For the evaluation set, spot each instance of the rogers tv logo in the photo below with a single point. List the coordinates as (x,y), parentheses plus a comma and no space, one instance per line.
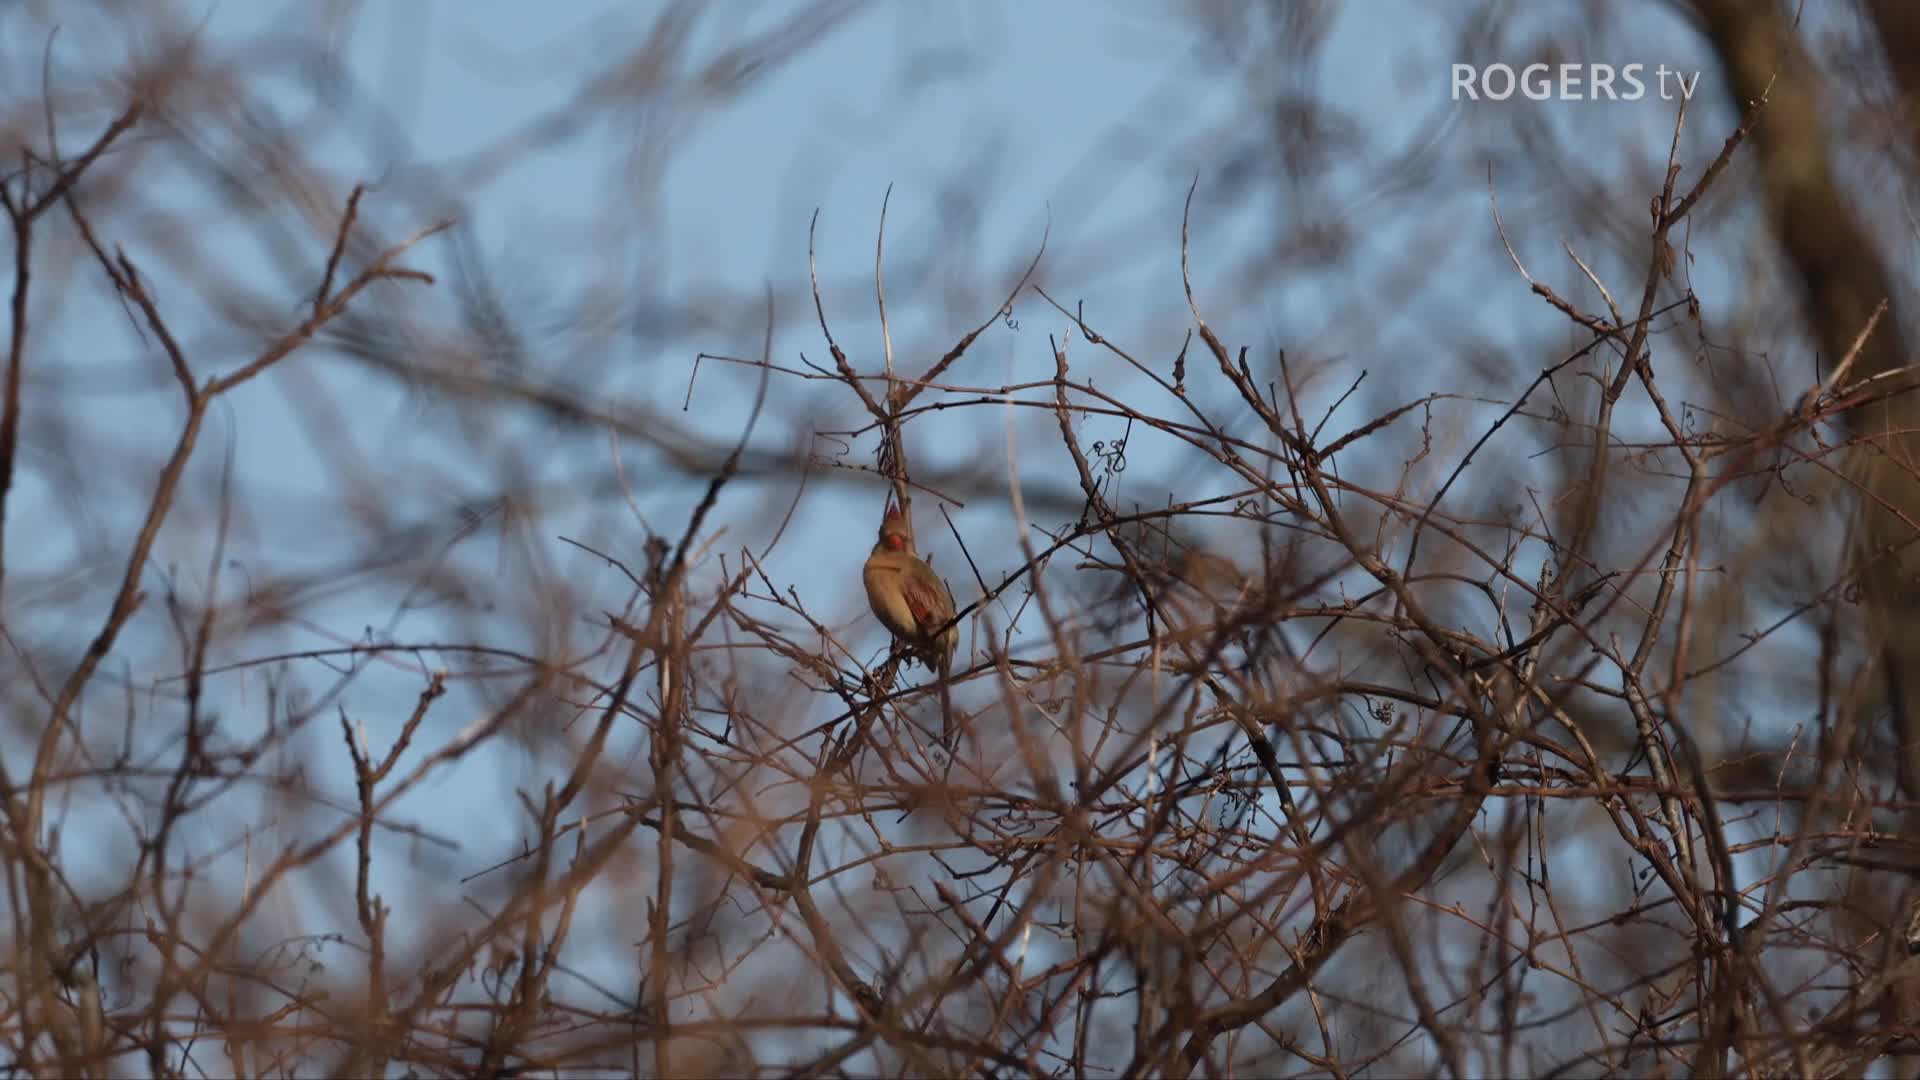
(1570,82)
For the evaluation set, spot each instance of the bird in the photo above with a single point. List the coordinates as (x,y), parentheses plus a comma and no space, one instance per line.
(912,601)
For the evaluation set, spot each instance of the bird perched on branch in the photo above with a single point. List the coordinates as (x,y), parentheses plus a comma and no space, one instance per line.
(911,600)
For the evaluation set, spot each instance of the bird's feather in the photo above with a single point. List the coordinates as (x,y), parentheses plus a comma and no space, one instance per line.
(911,600)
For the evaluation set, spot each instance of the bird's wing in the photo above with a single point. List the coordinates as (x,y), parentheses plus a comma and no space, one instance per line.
(932,604)
(888,601)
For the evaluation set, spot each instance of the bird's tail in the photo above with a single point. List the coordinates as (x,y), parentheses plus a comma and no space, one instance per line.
(949,732)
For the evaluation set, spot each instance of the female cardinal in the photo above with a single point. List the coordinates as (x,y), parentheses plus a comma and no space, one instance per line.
(909,598)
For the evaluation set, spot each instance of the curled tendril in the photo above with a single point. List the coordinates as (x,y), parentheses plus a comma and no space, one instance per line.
(1112,456)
